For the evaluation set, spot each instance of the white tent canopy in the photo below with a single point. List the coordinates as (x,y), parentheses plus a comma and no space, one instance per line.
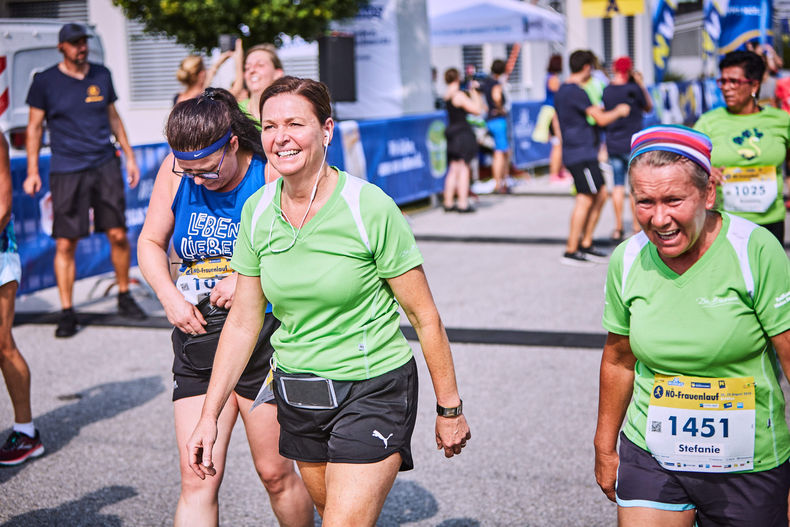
(468,22)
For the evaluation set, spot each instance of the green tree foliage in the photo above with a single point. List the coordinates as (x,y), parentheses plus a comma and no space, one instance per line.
(197,23)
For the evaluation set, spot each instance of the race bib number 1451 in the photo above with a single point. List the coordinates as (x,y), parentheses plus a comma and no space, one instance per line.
(702,424)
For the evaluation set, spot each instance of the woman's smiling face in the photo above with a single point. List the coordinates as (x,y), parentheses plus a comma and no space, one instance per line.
(293,138)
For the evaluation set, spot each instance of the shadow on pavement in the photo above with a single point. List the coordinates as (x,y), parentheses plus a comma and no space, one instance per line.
(83,512)
(59,426)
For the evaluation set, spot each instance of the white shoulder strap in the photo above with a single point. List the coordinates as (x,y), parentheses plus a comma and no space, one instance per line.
(351,193)
(269,191)
(738,235)
(633,247)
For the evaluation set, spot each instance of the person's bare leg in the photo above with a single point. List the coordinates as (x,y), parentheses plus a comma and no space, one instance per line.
(593,217)
(618,199)
(645,517)
(197,503)
(581,210)
(13,366)
(287,493)
(499,169)
(356,492)
(65,269)
(120,255)
(463,183)
(314,477)
(450,184)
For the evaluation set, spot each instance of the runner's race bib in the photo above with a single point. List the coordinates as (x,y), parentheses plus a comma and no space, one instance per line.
(749,189)
(198,278)
(702,424)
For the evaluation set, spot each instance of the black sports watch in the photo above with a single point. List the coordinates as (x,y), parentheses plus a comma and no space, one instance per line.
(450,412)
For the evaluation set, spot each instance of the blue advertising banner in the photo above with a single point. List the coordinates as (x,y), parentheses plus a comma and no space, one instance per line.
(663,31)
(526,151)
(406,157)
(746,20)
(33,222)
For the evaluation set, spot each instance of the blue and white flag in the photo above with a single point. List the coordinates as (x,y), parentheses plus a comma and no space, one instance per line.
(712,13)
(663,31)
(746,20)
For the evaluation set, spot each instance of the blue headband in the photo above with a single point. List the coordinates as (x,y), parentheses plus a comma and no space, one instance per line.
(204,152)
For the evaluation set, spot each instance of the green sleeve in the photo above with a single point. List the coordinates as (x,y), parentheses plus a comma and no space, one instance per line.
(245,260)
(391,240)
(702,124)
(616,317)
(771,271)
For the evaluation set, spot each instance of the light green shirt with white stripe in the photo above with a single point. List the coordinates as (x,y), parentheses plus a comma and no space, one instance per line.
(714,320)
(339,317)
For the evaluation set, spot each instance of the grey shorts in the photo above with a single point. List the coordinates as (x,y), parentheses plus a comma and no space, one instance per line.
(75,193)
(734,500)
(374,420)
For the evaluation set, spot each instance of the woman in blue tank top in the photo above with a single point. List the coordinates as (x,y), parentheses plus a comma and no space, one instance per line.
(216,164)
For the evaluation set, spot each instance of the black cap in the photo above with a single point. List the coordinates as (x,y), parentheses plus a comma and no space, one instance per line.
(71,32)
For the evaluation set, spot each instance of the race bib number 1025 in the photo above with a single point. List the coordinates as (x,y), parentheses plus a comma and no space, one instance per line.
(702,424)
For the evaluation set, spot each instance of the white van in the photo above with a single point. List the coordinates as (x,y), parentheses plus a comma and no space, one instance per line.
(28,46)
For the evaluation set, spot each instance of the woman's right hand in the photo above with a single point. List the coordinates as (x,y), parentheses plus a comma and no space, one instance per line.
(200,446)
(606,464)
(184,316)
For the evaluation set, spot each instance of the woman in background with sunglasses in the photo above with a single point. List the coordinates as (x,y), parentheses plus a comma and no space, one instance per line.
(217,162)
(750,145)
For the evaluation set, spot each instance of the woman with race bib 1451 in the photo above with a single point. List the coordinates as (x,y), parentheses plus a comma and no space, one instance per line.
(698,314)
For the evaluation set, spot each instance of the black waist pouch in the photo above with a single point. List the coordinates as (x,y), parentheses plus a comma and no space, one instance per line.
(198,351)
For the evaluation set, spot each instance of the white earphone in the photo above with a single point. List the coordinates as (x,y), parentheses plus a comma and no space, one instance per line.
(326,138)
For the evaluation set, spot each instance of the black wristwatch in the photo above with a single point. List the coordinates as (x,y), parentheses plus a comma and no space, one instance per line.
(450,412)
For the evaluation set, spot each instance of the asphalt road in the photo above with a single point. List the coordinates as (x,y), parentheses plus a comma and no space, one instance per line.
(526,341)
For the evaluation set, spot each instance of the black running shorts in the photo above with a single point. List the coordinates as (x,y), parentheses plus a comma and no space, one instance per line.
(735,500)
(189,381)
(587,177)
(375,420)
(75,193)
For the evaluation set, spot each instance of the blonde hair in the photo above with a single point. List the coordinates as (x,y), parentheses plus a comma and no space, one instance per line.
(271,50)
(189,70)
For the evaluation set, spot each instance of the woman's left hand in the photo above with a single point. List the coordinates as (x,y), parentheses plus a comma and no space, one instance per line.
(222,294)
(452,433)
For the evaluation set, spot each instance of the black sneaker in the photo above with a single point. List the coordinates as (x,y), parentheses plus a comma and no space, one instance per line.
(594,255)
(576,259)
(67,324)
(127,307)
(19,447)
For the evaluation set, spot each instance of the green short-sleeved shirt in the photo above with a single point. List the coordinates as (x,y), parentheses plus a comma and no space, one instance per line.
(714,320)
(758,139)
(339,317)
(244,107)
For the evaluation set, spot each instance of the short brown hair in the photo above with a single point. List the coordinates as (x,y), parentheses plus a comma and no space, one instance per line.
(268,48)
(315,92)
(451,75)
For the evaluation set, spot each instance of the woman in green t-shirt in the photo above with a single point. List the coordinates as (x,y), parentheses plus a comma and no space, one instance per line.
(335,257)
(750,144)
(698,314)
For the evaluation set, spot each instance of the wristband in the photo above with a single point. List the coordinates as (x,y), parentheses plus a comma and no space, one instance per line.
(450,412)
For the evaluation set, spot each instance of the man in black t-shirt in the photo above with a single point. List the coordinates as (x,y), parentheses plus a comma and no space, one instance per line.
(76,98)
(580,156)
(626,87)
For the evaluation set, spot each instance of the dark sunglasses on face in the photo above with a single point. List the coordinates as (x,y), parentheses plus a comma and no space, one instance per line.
(722,81)
(204,175)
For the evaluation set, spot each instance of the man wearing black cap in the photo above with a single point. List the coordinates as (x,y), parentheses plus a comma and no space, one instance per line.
(76,98)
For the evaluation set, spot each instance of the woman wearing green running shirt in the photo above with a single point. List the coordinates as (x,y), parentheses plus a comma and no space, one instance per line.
(335,257)
(698,314)
(750,144)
